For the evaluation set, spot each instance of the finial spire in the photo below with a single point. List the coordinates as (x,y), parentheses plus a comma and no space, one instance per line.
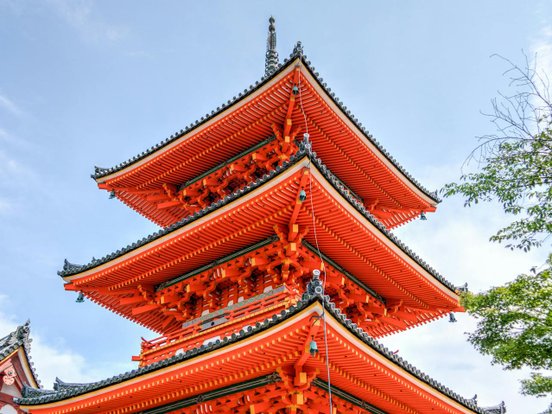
(271,58)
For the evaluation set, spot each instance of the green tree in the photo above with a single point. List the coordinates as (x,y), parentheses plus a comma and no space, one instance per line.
(515,325)
(514,167)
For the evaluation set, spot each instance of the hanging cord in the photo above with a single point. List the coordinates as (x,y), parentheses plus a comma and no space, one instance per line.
(325,329)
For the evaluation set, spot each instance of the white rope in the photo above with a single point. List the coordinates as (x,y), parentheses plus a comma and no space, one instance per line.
(325,329)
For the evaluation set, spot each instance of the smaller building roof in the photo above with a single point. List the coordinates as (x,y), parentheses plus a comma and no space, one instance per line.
(20,338)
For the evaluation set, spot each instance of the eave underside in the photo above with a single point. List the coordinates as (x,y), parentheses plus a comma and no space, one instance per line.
(336,139)
(343,234)
(359,366)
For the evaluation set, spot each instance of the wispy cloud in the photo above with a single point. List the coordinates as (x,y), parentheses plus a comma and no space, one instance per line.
(80,14)
(541,48)
(6,137)
(8,105)
(50,359)
(12,171)
(455,240)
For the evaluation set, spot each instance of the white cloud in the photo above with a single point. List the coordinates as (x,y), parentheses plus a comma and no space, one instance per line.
(440,349)
(11,170)
(8,105)
(51,356)
(80,15)
(49,361)
(455,240)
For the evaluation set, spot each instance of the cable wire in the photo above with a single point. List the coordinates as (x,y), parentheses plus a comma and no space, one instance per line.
(325,329)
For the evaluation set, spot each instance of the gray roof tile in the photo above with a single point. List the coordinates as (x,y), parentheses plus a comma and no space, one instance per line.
(71,269)
(313,293)
(297,53)
(16,339)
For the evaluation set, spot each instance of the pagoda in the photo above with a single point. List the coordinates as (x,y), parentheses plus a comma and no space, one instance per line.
(274,272)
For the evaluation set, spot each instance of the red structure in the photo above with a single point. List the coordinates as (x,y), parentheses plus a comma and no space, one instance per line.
(275,268)
(16,369)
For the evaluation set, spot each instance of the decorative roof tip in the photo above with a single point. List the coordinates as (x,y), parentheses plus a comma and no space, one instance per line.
(271,58)
(69,267)
(497,409)
(315,289)
(298,49)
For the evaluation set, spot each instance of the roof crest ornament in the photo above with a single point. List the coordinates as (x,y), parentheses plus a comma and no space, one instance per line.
(298,49)
(271,58)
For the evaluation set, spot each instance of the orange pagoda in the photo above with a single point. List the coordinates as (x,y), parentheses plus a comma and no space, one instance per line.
(275,270)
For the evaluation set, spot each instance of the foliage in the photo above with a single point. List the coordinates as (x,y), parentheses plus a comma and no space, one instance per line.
(538,385)
(515,324)
(515,169)
(516,162)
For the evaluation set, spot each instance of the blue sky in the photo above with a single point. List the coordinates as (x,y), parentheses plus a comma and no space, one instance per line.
(86,83)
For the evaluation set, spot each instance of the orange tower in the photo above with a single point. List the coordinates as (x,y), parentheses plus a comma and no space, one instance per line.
(274,270)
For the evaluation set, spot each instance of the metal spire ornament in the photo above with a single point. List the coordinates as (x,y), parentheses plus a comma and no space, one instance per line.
(271,58)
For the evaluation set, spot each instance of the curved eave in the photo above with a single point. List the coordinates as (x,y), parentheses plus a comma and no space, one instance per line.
(378,376)
(183,148)
(370,252)
(402,177)
(24,359)
(156,240)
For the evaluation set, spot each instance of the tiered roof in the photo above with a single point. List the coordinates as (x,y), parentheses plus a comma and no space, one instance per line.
(359,193)
(365,366)
(19,341)
(353,238)
(16,368)
(338,137)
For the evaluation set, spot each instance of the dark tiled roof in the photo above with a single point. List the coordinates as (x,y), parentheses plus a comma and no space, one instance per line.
(71,269)
(218,393)
(297,53)
(497,409)
(314,293)
(16,339)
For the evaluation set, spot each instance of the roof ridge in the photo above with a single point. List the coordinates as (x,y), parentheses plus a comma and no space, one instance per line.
(297,53)
(20,337)
(313,293)
(304,150)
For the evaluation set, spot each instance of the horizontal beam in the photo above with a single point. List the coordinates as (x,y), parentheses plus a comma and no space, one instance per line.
(212,395)
(345,272)
(347,397)
(218,262)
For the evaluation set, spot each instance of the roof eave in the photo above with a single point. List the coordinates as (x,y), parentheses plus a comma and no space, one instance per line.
(74,270)
(103,175)
(310,302)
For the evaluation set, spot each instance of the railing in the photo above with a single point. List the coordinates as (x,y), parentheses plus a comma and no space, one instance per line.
(217,325)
